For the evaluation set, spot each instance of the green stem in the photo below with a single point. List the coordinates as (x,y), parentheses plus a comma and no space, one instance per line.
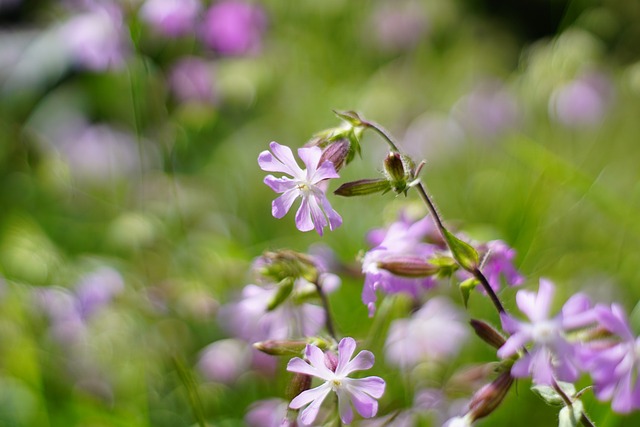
(192,391)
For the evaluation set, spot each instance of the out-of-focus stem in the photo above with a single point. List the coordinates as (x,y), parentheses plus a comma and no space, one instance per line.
(325,304)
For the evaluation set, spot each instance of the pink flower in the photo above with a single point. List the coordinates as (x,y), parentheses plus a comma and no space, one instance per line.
(361,392)
(614,365)
(310,185)
(171,17)
(552,355)
(234,27)
(190,80)
(402,239)
(435,332)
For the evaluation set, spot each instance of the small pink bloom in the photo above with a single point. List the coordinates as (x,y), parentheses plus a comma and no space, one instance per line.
(171,17)
(361,392)
(309,184)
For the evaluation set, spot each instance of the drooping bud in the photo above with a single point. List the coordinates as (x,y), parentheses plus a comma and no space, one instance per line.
(281,347)
(363,187)
(399,171)
(487,333)
(285,287)
(337,153)
(283,264)
(489,397)
(408,266)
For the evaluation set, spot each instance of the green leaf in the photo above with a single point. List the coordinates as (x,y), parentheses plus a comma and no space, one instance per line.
(462,252)
(570,415)
(550,396)
(466,287)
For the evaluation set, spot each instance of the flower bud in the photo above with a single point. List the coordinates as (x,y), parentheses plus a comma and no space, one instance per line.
(336,153)
(298,384)
(399,171)
(363,187)
(489,397)
(331,360)
(283,264)
(281,347)
(487,333)
(408,266)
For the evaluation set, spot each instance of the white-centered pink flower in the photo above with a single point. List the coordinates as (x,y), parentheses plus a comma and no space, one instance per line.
(361,392)
(309,184)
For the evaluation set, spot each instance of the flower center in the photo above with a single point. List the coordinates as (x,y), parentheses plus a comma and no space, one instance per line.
(544,332)
(335,384)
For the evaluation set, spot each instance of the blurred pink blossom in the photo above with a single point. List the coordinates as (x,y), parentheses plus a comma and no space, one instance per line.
(234,27)
(171,17)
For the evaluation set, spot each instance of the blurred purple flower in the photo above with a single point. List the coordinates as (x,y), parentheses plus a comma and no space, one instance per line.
(614,365)
(99,152)
(60,306)
(402,238)
(553,355)
(433,333)
(172,18)
(361,392)
(225,360)
(488,110)
(234,27)
(267,413)
(310,185)
(400,25)
(190,80)
(97,290)
(583,101)
(97,38)
(250,320)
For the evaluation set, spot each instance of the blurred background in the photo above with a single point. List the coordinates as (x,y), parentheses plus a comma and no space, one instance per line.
(133,205)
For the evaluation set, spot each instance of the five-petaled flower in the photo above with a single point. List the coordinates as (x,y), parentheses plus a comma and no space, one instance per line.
(362,392)
(310,184)
(552,355)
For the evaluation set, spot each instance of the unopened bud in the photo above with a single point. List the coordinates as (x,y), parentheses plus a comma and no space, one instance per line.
(363,187)
(281,347)
(284,264)
(331,360)
(489,397)
(298,384)
(487,333)
(336,153)
(399,171)
(408,266)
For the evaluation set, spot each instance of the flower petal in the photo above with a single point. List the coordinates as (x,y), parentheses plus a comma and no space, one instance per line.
(513,344)
(284,155)
(303,216)
(364,360)
(373,386)
(310,157)
(326,171)
(281,205)
(344,406)
(335,220)
(366,405)
(317,215)
(316,358)
(301,367)
(279,185)
(315,397)
(346,347)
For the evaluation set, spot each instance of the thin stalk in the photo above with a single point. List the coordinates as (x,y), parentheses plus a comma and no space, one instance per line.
(383,133)
(328,322)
